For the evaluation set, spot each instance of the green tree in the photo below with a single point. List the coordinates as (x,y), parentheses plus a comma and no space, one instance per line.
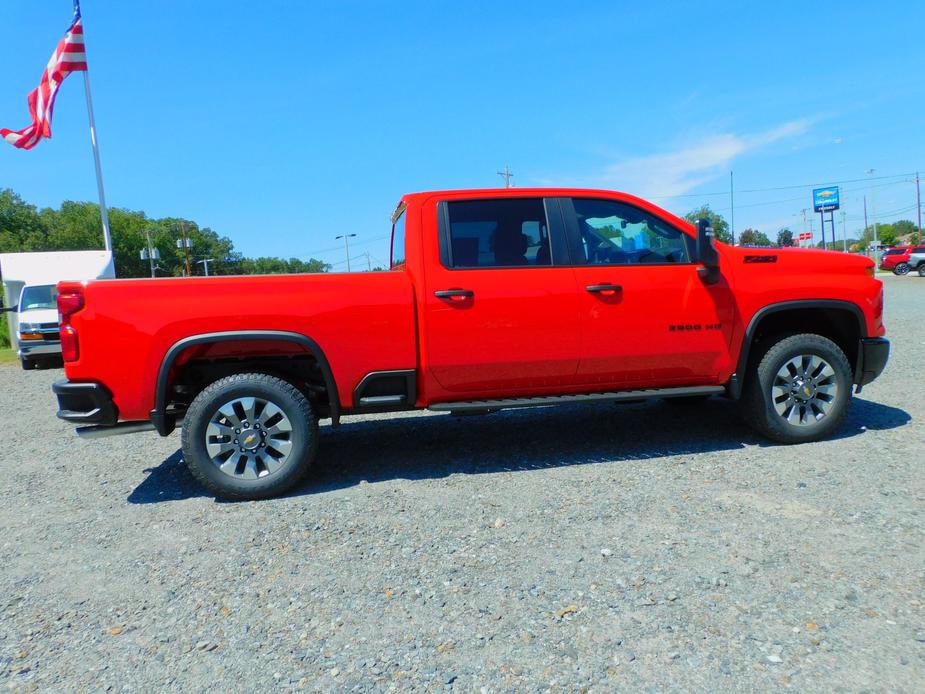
(753,237)
(21,227)
(904,227)
(720,226)
(278,266)
(76,226)
(784,238)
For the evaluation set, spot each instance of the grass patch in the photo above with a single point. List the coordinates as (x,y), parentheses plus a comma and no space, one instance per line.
(7,354)
(4,333)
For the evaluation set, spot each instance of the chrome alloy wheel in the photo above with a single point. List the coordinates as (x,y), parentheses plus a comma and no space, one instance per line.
(804,390)
(249,438)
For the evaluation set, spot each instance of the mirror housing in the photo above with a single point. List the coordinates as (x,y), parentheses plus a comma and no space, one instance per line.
(707,255)
(9,309)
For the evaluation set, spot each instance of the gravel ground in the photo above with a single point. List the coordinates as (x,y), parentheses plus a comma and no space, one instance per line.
(588,547)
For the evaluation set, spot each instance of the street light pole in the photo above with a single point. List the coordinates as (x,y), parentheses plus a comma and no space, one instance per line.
(346,246)
(205,264)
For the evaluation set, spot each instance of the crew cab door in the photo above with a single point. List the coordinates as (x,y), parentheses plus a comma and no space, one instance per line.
(647,318)
(500,314)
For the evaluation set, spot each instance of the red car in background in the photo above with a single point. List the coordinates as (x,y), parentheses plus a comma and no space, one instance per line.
(897,259)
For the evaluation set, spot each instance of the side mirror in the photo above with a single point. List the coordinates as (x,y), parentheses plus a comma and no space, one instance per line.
(707,255)
(9,309)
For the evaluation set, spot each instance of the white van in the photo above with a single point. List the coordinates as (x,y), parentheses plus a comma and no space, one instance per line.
(37,316)
(29,280)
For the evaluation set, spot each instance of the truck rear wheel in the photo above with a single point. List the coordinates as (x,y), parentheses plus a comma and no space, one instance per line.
(800,389)
(922,270)
(249,436)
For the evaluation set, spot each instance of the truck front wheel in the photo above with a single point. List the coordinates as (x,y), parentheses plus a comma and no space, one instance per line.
(249,436)
(800,389)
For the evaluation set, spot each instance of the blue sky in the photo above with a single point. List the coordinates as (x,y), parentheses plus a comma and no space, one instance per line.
(283,124)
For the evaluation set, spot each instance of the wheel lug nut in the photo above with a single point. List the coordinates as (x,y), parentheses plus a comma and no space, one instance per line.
(237,431)
(235,440)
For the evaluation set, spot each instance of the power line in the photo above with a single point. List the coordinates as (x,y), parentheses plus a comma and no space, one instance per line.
(792,187)
(322,251)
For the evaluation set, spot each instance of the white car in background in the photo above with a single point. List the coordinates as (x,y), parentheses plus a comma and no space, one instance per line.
(37,315)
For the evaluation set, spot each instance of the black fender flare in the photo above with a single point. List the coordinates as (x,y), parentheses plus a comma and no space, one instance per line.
(165,424)
(736,382)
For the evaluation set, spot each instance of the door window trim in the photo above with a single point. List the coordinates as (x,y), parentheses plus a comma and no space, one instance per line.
(559,255)
(570,219)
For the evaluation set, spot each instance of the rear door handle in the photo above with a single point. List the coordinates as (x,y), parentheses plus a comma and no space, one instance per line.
(454,293)
(604,288)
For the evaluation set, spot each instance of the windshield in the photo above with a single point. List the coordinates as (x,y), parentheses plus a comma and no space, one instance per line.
(39,297)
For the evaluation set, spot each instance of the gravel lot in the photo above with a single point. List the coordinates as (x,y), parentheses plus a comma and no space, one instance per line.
(598,547)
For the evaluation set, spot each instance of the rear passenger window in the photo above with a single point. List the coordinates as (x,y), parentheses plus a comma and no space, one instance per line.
(507,232)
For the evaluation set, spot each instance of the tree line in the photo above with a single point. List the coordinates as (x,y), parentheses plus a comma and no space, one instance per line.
(75,226)
(889,234)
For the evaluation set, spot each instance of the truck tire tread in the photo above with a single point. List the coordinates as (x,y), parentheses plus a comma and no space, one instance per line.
(757,411)
(281,481)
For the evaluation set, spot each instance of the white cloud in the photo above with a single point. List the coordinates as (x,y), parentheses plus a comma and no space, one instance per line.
(674,173)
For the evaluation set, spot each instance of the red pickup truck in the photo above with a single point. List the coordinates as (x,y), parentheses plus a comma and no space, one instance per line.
(495,299)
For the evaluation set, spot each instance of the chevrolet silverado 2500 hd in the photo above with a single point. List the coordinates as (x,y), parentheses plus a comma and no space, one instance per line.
(495,299)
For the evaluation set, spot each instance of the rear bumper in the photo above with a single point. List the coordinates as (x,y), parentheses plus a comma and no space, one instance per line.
(872,358)
(38,348)
(85,403)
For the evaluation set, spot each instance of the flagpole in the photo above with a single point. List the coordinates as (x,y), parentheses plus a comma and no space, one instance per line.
(104,213)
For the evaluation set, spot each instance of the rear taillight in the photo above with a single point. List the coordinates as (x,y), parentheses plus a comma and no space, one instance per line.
(70,301)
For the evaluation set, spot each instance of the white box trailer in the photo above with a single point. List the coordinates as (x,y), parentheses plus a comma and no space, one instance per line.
(35,273)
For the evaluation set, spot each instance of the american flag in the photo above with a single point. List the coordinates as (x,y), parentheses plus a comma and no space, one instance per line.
(69,56)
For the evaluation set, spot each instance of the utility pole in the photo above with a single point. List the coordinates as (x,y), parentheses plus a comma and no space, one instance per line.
(844,233)
(369,265)
(732,211)
(185,244)
(205,264)
(865,217)
(918,201)
(346,246)
(804,211)
(873,212)
(150,253)
(507,176)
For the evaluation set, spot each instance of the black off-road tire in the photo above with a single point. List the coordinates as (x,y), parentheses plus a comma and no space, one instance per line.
(28,364)
(922,270)
(288,398)
(759,410)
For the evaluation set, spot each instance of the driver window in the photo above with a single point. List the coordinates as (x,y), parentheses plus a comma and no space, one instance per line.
(614,233)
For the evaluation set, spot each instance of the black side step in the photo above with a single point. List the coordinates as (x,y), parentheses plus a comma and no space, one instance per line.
(545,400)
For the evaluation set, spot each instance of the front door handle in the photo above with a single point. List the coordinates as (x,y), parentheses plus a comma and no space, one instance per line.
(604,288)
(454,293)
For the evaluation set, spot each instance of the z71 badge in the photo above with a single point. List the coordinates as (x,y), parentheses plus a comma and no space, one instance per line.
(761,259)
